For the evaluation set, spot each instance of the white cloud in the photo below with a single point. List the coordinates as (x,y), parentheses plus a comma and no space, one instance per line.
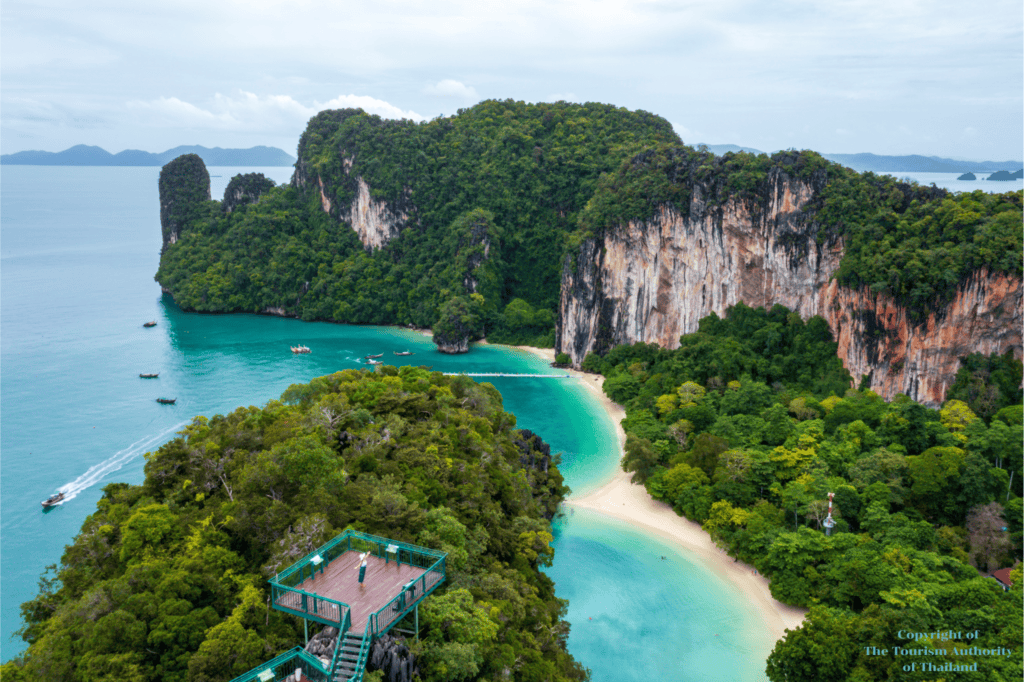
(452,88)
(370,105)
(247,111)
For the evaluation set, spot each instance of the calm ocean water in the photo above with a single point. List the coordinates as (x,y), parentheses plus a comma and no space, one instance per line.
(78,249)
(949,181)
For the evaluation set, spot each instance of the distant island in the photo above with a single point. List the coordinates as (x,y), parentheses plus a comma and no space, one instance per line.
(85,155)
(890,164)
(968,176)
(1006,175)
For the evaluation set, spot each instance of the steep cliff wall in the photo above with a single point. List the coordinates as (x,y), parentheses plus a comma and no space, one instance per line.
(921,360)
(376,222)
(652,281)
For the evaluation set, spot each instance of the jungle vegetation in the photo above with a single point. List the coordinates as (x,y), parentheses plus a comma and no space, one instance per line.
(495,197)
(167,581)
(749,424)
(508,178)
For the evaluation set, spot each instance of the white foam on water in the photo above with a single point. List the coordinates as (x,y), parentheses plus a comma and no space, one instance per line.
(97,472)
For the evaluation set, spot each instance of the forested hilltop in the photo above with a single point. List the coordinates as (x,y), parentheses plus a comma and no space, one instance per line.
(386,221)
(749,424)
(394,222)
(167,581)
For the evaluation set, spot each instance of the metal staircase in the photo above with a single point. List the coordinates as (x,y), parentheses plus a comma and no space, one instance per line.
(350,659)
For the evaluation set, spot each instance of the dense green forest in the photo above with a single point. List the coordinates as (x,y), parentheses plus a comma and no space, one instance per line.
(492,200)
(743,429)
(521,171)
(168,580)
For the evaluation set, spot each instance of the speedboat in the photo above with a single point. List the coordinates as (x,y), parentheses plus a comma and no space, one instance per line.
(150,324)
(149,376)
(404,352)
(53,499)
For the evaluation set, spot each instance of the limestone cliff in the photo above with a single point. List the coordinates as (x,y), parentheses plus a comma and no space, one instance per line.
(653,280)
(376,221)
(921,360)
(184,187)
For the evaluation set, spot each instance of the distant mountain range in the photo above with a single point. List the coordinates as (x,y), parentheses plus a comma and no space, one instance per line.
(894,164)
(84,155)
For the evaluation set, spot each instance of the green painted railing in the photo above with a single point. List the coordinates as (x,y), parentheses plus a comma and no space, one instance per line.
(413,591)
(309,605)
(285,665)
(345,625)
(364,653)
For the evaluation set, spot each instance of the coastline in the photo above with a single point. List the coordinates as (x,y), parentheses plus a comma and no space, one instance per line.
(631,503)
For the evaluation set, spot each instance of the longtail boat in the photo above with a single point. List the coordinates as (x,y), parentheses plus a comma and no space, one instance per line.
(374,357)
(150,324)
(166,401)
(149,376)
(404,352)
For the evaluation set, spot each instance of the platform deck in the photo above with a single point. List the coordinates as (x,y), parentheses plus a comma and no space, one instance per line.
(340,581)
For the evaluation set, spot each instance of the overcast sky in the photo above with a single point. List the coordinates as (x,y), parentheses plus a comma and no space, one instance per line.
(931,77)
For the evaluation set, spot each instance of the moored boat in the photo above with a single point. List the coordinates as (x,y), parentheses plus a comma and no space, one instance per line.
(374,357)
(166,401)
(404,352)
(149,376)
(53,499)
(371,361)
(150,324)
(300,349)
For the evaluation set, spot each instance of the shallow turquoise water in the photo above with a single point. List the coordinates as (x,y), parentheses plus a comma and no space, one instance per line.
(638,617)
(78,250)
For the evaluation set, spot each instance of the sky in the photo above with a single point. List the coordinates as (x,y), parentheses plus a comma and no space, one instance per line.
(932,77)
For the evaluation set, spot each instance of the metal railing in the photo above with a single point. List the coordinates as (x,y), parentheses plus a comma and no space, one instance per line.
(345,625)
(286,664)
(308,605)
(413,591)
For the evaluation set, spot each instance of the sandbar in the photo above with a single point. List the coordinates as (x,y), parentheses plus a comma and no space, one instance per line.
(629,502)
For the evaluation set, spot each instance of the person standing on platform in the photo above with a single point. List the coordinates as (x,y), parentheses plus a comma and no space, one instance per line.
(362,567)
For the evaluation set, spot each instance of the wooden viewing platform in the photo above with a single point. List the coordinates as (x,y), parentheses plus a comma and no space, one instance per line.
(384,581)
(324,587)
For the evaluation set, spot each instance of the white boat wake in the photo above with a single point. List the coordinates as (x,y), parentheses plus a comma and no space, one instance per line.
(97,472)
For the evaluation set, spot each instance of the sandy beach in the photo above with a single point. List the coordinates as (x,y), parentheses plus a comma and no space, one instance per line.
(631,503)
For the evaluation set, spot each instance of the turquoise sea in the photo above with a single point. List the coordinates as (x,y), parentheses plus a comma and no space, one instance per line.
(78,250)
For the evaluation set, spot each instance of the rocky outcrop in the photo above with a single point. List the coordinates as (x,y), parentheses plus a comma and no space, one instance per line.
(245,189)
(184,187)
(451,344)
(653,281)
(394,658)
(920,360)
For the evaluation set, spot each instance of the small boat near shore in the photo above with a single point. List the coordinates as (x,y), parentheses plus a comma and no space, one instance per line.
(149,376)
(150,324)
(300,349)
(404,352)
(374,357)
(166,401)
(371,361)
(56,498)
